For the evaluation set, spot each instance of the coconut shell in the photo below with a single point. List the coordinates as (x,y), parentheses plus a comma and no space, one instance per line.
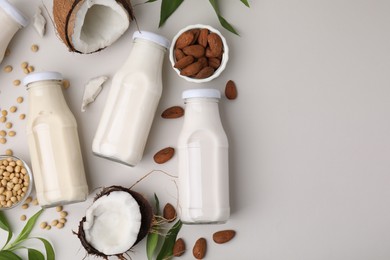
(64,13)
(146,221)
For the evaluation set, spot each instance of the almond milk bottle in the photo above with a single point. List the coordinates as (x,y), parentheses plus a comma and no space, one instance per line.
(11,20)
(53,142)
(132,101)
(203,160)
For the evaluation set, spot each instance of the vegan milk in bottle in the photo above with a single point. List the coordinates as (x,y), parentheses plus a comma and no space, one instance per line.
(53,141)
(203,160)
(11,20)
(132,101)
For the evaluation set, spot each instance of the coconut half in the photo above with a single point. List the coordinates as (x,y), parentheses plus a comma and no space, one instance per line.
(87,26)
(116,221)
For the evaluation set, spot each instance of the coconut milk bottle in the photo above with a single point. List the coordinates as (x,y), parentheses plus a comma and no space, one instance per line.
(203,160)
(53,142)
(11,20)
(132,101)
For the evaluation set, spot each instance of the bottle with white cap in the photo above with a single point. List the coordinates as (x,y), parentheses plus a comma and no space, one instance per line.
(132,101)
(53,141)
(11,20)
(203,160)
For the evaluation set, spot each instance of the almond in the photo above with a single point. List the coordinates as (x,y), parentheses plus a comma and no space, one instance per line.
(184,39)
(169,212)
(205,73)
(196,35)
(184,62)
(203,61)
(223,236)
(164,155)
(179,247)
(179,54)
(214,63)
(231,90)
(173,112)
(200,247)
(192,69)
(194,50)
(202,38)
(215,45)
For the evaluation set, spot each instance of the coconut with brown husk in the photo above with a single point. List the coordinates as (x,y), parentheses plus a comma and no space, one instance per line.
(87,26)
(116,221)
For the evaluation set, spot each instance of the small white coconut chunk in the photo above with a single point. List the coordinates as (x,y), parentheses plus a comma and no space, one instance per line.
(39,22)
(113,223)
(92,90)
(98,24)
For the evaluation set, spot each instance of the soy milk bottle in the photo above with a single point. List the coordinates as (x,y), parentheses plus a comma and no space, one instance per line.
(132,101)
(11,20)
(203,160)
(53,142)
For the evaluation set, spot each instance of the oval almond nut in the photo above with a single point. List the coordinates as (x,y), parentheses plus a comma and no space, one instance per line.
(202,38)
(200,248)
(192,69)
(184,39)
(179,54)
(231,90)
(194,50)
(169,212)
(179,247)
(184,62)
(214,63)
(173,112)
(164,155)
(215,45)
(205,73)
(223,236)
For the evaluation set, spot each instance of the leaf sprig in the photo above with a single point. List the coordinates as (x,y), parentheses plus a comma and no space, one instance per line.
(168,7)
(8,250)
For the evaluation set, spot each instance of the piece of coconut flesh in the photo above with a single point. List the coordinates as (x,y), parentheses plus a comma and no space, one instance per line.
(39,23)
(98,24)
(92,90)
(112,223)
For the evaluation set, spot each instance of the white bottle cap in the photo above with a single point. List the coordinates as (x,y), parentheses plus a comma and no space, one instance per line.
(41,76)
(201,93)
(156,38)
(15,14)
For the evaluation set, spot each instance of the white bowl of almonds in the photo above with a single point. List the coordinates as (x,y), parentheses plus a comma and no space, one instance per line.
(199,53)
(16,181)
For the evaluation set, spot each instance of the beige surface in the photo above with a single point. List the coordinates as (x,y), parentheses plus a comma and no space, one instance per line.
(309,132)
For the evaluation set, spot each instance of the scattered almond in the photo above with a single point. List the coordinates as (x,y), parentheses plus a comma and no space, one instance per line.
(173,112)
(231,90)
(164,155)
(200,247)
(169,212)
(179,248)
(223,236)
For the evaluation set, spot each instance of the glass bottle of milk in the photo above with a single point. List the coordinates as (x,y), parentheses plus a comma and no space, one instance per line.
(11,20)
(132,101)
(203,160)
(53,142)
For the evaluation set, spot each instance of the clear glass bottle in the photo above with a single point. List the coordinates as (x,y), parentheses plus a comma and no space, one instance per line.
(203,160)
(11,20)
(132,101)
(53,141)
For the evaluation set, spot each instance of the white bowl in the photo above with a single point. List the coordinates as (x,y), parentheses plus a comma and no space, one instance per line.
(31,182)
(225,55)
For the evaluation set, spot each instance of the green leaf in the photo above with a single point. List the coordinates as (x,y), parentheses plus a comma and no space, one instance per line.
(224,23)
(245,2)
(153,237)
(5,226)
(50,255)
(168,7)
(169,242)
(8,255)
(34,254)
(27,228)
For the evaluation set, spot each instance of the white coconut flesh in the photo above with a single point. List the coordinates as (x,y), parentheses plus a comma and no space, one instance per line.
(98,24)
(113,223)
